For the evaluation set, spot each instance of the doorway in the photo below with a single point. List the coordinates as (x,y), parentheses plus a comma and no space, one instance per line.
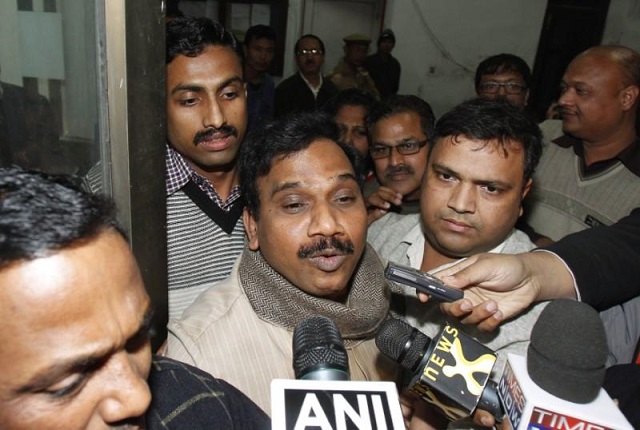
(569,27)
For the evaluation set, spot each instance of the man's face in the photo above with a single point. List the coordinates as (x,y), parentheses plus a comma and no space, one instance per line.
(519,93)
(386,46)
(355,54)
(259,54)
(591,104)
(206,108)
(312,220)
(308,62)
(76,351)
(471,195)
(402,173)
(353,129)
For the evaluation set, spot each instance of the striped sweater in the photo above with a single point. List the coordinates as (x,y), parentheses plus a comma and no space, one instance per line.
(199,251)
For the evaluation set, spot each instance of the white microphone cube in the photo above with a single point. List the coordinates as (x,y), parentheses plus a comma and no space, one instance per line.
(298,404)
(528,406)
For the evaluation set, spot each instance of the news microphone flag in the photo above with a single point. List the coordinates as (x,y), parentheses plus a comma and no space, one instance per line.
(451,371)
(528,406)
(335,405)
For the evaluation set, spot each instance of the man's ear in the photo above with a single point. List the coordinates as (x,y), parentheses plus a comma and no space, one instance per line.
(251,228)
(526,97)
(525,191)
(629,96)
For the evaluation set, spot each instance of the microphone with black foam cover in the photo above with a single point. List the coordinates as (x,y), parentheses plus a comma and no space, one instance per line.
(322,396)
(318,351)
(451,371)
(559,384)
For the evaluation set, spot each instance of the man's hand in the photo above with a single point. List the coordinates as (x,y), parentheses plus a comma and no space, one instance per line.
(380,201)
(497,287)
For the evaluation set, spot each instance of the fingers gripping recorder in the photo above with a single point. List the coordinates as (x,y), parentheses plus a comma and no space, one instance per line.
(422,282)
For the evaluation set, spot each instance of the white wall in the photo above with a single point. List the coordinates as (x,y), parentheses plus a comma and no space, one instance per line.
(440,42)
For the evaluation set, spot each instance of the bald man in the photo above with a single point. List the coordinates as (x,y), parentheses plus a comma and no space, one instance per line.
(589,174)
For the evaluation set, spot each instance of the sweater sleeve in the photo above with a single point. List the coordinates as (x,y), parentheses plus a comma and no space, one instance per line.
(605,261)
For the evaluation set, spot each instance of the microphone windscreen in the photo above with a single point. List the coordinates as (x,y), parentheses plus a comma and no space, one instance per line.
(568,351)
(317,344)
(402,343)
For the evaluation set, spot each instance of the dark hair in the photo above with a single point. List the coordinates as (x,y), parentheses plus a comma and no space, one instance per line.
(349,97)
(404,103)
(190,35)
(486,120)
(280,139)
(41,213)
(259,31)
(309,36)
(503,63)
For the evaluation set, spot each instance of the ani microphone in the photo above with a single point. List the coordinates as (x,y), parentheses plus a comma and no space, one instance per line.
(318,351)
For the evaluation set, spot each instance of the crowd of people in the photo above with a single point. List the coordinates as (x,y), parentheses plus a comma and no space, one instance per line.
(286,201)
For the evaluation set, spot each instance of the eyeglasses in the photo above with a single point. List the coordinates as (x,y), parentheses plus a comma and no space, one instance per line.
(509,87)
(310,52)
(378,152)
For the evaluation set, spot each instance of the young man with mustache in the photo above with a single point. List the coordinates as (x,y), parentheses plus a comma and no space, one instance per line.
(307,255)
(206,123)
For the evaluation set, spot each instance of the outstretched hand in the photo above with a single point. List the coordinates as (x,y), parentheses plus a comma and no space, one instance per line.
(496,287)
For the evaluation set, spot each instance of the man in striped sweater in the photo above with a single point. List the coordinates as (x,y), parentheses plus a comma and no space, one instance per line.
(206,123)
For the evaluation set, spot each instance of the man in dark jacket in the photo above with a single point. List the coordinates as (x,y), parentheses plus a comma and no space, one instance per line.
(307,89)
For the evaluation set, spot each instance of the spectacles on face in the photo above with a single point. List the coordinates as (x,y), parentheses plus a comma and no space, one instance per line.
(494,87)
(310,52)
(378,151)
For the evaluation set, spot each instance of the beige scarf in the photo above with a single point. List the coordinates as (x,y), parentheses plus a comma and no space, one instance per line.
(276,300)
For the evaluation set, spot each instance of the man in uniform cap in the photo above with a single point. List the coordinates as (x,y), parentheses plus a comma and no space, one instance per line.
(349,72)
(383,67)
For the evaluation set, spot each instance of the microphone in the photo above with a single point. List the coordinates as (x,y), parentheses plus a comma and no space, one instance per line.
(559,384)
(451,371)
(322,396)
(318,351)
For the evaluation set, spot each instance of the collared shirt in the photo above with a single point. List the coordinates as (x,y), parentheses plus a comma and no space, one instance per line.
(416,240)
(630,157)
(179,172)
(314,90)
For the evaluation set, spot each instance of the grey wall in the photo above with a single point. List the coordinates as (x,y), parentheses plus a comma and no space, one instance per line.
(440,42)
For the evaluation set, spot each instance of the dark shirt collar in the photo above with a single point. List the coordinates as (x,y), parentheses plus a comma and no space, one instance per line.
(179,172)
(630,156)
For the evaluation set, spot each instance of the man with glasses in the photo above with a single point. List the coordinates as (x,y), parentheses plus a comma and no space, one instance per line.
(479,170)
(504,76)
(399,130)
(308,89)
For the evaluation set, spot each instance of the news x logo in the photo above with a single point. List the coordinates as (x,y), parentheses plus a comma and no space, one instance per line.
(337,410)
(457,370)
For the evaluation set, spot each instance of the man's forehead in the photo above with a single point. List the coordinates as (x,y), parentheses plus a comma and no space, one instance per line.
(500,76)
(502,147)
(212,57)
(322,154)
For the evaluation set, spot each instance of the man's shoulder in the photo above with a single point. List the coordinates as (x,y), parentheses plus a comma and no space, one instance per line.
(391,223)
(517,242)
(386,233)
(214,304)
(551,130)
(191,398)
(291,82)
